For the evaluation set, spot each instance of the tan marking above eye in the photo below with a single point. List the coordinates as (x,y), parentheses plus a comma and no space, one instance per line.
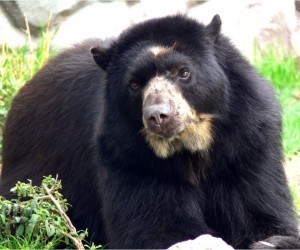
(158,50)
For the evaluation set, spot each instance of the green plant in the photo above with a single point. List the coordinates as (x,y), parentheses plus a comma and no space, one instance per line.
(37,218)
(18,65)
(282,69)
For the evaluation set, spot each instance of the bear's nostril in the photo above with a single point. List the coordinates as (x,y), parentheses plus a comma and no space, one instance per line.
(157,114)
(157,118)
(163,116)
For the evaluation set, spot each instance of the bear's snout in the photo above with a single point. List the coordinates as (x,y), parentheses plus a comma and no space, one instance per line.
(158,118)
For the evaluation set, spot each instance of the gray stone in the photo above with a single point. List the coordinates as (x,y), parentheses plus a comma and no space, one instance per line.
(148,9)
(295,37)
(252,21)
(205,241)
(38,12)
(102,20)
(9,34)
(245,22)
(297,5)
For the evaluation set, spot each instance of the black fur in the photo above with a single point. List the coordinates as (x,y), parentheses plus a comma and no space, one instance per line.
(83,123)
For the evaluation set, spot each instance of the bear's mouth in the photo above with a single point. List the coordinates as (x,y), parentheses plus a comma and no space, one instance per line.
(163,134)
(165,131)
(195,135)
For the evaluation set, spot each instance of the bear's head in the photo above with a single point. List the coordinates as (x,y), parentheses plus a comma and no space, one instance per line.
(164,81)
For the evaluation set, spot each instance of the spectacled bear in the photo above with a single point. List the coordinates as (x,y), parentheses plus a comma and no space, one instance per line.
(166,134)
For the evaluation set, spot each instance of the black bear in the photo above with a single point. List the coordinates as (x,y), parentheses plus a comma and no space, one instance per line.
(166,134)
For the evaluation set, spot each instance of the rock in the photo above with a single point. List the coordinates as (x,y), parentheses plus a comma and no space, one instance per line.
(13,14)
(252,21)
(148,9)
(9,34)
(295,36)
(38,12)
(297,5)
(246,22)
(205,241)
(102,20)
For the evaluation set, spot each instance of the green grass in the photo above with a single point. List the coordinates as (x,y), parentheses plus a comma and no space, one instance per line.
(12,242)
(17,66)
(283,71)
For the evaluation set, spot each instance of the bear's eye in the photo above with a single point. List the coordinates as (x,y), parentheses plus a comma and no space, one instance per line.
(184,73)
(134,85)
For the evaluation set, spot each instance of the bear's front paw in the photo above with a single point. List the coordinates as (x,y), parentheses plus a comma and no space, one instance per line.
(278,242)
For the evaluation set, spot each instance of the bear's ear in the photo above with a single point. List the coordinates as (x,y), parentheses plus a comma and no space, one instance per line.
(213,28)
(101,57)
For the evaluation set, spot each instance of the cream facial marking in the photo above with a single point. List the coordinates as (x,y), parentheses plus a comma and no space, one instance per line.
(159,50)
(184,128)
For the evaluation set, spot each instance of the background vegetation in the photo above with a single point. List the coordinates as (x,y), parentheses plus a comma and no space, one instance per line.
(283,71)
(18,65)
(37,219)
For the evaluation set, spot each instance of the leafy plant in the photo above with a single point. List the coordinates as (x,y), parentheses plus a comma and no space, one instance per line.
(37,218)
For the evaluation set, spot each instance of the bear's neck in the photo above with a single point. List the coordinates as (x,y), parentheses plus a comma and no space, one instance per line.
(132,155)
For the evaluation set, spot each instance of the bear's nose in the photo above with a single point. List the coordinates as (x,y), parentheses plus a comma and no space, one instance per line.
(158,114)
